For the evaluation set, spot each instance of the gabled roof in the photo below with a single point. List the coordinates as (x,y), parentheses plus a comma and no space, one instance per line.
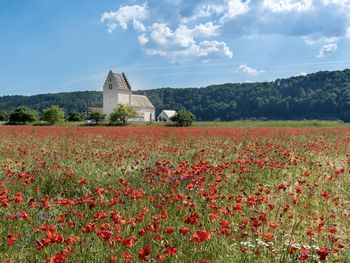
(121,80)
(141,102)
(169,113)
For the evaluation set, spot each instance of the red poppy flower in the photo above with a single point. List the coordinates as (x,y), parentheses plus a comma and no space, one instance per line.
(201,236)
(126,257)
(129,242)
(144,253)
(323,253)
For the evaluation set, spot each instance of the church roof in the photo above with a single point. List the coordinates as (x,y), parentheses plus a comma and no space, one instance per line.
(122,81)
(141,102)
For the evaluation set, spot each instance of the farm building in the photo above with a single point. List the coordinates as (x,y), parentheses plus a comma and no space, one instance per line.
(166,115)
(117,90)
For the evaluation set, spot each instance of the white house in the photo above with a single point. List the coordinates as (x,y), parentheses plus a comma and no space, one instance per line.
(166,115)
(117,90)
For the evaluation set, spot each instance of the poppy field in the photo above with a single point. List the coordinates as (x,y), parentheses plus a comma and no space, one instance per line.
(161,194)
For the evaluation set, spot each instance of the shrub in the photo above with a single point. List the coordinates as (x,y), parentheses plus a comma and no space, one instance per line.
(53,115)
(123,113)
(3,115)
(183,118)
(97,116)
(23,115)
(75,116)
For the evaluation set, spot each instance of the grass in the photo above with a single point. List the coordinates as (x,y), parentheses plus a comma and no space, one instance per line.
(259,193)
(278,124)
(223,124)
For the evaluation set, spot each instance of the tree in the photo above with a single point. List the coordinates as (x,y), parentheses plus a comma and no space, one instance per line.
(97,116)
(75,116)
(22,115)
(123,113)
(53,114)
(3,115)
(183,118)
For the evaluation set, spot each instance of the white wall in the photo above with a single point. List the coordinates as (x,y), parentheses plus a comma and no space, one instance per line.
(149,115)
(124,97)
(145,115)
(163,116)
(111,97)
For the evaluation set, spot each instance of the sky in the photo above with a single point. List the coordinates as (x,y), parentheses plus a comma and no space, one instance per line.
(51,46)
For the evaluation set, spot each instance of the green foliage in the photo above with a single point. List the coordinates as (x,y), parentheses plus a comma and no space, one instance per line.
(69,101)
(123,113)
(3,115)
(346,116)
(183,118)
(53,114)
(97,116)
(23,115)
(75,116)
(323,95)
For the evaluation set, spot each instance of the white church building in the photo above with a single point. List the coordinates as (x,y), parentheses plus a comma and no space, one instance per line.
(117,90)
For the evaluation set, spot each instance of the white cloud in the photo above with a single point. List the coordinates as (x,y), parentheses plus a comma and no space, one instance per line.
(199,28)
(327,49)
(278,6)
(312,40)
(226,9)
(249,70)
(182,42)
(341,3)
(143,39)
(208,29)
(348,32)
(124,15)
(206,10)
(200,50)
(235,8)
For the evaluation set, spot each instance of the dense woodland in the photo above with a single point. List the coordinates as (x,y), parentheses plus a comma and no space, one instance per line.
(322,95)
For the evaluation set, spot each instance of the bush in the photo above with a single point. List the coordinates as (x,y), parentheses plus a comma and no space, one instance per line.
(97,116)
(3,116)
(53,115)
(75,116)
(23,115)
(123,113)
(346,116)
(183,118)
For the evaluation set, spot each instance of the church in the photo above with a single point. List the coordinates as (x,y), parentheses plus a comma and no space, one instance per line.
(117,90)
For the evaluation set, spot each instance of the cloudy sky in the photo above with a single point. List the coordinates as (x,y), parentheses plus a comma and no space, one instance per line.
(50,46)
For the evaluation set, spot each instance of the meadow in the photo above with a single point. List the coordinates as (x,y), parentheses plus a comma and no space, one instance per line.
(138,194)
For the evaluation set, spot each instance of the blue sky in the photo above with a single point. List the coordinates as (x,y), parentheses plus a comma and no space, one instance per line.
(49,46)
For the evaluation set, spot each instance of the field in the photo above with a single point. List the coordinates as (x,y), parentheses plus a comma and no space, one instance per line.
(130,194)
(220,124)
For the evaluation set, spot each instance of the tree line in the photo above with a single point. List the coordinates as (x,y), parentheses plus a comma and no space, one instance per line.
(321,95)
(120,116)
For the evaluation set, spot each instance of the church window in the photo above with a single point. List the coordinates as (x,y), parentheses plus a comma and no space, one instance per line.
(110,86)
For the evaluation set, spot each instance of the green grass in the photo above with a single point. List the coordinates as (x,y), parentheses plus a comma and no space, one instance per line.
(222,124)
(180,171)
(279,124)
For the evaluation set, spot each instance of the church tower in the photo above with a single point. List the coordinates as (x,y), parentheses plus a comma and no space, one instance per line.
(116,90)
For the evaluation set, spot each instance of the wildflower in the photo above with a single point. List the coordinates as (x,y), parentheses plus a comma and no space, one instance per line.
(323,253)
(129,242)
(201,236)
(126,257)
(144,253)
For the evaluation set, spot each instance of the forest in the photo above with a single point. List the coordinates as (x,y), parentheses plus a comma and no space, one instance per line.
(323,95)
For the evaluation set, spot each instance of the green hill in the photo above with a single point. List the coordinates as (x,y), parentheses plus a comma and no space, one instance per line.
(322,95)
